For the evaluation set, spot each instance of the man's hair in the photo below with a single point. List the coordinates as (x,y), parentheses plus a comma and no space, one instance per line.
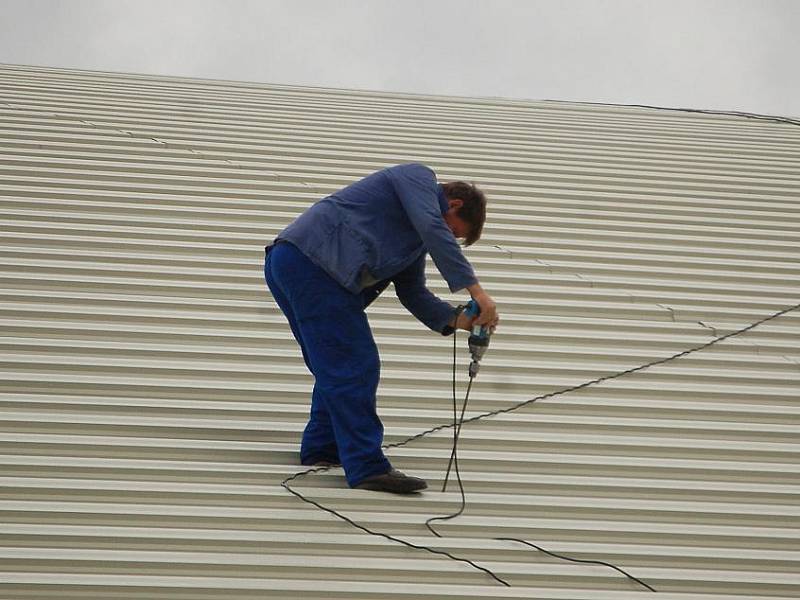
(473,211)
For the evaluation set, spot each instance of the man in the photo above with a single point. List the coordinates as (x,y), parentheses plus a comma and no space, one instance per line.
(327,266)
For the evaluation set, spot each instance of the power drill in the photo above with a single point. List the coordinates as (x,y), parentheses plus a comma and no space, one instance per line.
(478,338)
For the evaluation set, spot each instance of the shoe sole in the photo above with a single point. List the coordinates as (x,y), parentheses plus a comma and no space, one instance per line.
(378,487)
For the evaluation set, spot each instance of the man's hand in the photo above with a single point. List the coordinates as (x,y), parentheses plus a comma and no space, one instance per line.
(488,316)
(462,322)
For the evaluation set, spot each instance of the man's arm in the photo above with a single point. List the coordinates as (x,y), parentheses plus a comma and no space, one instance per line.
(431,310)
(415,185)
(419,300)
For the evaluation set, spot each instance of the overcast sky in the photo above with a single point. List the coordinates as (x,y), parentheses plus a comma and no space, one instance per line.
(707,54)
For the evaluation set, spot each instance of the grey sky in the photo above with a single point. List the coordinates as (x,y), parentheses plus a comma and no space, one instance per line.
(711,54)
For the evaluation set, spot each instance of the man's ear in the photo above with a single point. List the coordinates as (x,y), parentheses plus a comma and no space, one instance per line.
(455,203)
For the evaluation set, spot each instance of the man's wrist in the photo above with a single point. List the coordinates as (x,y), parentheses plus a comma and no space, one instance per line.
(475,290)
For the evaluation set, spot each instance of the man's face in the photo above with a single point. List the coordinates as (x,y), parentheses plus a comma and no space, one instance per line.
(457,225)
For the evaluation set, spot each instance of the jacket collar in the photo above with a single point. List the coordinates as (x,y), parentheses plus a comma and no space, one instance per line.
(442,198)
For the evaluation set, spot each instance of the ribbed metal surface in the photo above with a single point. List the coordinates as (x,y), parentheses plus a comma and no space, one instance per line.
(152,397)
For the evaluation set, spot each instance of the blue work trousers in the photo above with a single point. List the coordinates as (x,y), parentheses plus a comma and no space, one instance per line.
(331,327)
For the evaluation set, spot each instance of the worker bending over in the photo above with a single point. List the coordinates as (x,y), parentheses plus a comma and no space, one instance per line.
(336,258)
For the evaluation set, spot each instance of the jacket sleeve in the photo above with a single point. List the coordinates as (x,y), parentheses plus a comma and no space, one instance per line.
(420,301)
(415,185)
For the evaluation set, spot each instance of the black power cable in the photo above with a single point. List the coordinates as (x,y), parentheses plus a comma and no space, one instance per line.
(725,113)
(285,484)
(454,453)
(579,560)
(458,423)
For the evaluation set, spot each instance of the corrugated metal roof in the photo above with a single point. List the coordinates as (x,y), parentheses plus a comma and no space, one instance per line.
(152,397)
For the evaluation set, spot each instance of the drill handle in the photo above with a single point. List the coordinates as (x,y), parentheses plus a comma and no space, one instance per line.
(473,310)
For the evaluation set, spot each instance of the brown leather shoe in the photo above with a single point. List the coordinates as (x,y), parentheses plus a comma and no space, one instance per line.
(394,481)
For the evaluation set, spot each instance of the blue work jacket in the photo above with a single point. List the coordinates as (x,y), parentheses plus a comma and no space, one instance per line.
(378,230)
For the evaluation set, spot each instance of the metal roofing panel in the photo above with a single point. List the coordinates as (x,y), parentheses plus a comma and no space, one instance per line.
(151,396)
